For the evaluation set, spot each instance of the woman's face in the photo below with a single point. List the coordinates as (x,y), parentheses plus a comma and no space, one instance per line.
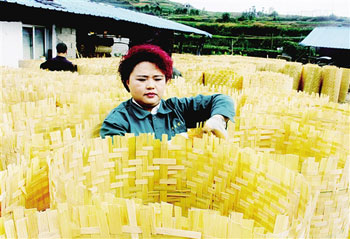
(147,84)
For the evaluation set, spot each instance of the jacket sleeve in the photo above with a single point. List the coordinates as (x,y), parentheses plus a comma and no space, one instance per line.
(114,124)
(74,68)
(71,67)
(44,65)
(202,107)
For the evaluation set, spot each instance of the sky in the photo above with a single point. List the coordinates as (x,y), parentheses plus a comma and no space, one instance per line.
(297,7)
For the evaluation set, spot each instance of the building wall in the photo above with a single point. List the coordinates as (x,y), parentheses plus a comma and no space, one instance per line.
(67,36)
(11,43)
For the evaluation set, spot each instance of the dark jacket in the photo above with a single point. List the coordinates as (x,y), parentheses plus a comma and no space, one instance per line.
(58,63)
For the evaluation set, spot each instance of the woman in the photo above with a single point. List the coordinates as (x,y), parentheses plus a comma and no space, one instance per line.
(145,72)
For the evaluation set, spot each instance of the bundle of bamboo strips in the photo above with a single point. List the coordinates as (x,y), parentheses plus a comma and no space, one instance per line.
(266,79)
(344,85)
(97,66)
(293,69)
(331,80)
(311,78)
(25,184)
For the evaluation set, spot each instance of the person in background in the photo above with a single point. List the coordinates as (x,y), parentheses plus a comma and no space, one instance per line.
(145,71)
(59,63)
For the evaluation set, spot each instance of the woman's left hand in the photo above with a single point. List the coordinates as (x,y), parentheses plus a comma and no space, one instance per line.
(216,125)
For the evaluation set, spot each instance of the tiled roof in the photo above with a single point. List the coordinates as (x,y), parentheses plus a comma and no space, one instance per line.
(328,37)
(86,7)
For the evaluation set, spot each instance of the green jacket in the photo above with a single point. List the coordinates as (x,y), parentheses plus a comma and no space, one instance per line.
(174,116)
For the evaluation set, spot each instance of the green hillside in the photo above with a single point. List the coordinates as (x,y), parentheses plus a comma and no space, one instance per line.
(162,7)
(252,33)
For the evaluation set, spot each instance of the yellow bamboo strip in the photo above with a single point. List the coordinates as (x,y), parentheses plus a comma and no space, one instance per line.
(10,230)
(133,228)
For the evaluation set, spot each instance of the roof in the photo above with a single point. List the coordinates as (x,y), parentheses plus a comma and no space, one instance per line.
(86,7)
(328,37)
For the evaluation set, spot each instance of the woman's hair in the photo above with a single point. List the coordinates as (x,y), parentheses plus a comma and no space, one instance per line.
(141,53)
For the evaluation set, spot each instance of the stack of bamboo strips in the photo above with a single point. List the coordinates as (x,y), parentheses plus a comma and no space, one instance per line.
(266,79)
(36,91)
(125,218)
(292,116)
(30,63)
(332,214)
(180,86)
(306,77)
(311,78)
(97,66)
(275,201)
(331,81)
(275,65)
(262,64)
(51,115)
(344,85)
(301,127)
(330,138)
(24,185)
(231,77)
(310,136)
(227,78)
(293,69)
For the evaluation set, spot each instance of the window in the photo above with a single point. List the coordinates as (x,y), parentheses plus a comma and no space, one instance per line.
(39,42)
(27,43)
(33,42)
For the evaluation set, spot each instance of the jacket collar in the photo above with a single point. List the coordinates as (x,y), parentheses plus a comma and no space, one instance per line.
(141,113)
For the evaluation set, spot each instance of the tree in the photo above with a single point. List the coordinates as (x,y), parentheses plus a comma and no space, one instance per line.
(252,11)
(158,10)
(181,10)
(225,17)
(146,8)
(247,16)
(250,15)
(274,14)
(194,12)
